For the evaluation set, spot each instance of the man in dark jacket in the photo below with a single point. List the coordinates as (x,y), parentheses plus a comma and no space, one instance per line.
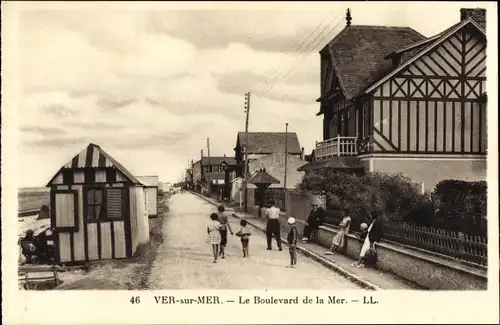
(314,220)
(376,231)
(375,236)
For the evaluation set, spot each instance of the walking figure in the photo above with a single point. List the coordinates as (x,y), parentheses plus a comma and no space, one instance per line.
(273,226)
(244,233)
(292,242)
(213,237)
(224,226)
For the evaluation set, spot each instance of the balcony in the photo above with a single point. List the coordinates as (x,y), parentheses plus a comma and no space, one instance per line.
(336,147)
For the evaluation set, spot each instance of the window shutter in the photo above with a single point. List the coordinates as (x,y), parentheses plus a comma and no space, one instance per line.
(114,198)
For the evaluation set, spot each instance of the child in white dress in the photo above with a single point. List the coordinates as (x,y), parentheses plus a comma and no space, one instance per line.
(213,237)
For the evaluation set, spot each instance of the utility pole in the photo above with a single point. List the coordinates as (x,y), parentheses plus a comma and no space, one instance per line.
(208,151)
(245,180)
(286,164)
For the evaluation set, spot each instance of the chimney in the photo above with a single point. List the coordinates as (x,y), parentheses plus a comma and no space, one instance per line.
(477,14)
(348,17)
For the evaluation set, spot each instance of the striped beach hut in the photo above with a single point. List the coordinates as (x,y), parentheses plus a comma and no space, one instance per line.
(98,209)
(151,183)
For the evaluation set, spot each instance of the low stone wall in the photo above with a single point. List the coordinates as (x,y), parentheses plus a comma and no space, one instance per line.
(423,269)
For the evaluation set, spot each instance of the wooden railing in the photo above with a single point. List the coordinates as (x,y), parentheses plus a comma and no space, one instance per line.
(339,146)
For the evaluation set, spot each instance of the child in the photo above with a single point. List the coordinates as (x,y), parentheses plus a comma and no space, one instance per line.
(244,233)
(292,242)
(362,238)
(214,235)
(225,225)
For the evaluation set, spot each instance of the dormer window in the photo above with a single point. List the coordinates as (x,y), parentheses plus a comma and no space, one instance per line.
(396,59)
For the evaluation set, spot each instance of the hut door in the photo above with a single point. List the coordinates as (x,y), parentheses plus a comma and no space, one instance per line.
(65,223)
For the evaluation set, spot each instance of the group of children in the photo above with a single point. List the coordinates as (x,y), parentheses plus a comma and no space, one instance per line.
(217,236)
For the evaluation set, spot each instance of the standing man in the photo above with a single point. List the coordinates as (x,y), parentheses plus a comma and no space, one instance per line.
(313,221)
(273,226)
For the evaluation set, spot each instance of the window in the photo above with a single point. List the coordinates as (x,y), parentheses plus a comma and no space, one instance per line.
(114,202)
(95,205)
(110,175)
(67,176)
(89,176)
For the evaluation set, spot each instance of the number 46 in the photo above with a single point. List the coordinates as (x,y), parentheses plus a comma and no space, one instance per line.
(135,300)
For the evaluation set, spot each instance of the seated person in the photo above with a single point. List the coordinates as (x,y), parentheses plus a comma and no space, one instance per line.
(28,245)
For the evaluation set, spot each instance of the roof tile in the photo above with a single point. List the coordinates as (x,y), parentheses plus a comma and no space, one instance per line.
(270,142)
(358,52)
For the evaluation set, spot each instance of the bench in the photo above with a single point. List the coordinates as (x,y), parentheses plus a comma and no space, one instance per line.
(26,272)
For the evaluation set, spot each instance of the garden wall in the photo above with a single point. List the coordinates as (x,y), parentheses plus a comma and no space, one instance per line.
(425,269)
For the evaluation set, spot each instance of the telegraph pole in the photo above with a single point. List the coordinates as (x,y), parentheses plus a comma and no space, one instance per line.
(208,151)
(286,164)
(245,180)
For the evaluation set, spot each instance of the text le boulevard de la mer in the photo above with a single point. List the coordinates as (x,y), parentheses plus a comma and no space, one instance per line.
(259,300)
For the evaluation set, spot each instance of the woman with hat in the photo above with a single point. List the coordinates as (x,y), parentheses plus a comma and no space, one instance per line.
(340,238)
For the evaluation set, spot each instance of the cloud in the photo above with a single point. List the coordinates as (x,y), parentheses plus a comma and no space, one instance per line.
(220,29)
(43,130)
(151,86)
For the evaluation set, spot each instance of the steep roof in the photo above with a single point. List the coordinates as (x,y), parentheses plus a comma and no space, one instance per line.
(358,54)
(219,160)
(270,142)
(434,41)
(94,156)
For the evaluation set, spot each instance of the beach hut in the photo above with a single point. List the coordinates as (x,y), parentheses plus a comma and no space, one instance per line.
(98,209)
(151,183)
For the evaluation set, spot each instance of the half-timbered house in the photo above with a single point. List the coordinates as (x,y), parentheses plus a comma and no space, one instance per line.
(394,100)
(98,209)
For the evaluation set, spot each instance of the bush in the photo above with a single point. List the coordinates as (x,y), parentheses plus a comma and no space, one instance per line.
(461,206)
(395,196)
(454,205)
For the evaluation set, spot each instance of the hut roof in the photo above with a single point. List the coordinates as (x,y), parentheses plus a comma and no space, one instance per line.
(263,177)
(94,156)
(150,181)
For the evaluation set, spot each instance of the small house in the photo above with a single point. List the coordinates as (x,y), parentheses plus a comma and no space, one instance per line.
(151,183)
(98,209)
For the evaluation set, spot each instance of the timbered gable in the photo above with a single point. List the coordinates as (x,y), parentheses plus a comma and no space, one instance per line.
(433,104)
(92,165)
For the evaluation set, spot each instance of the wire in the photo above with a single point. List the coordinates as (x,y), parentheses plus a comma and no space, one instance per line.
(307,50)
(276,72)
(293,69)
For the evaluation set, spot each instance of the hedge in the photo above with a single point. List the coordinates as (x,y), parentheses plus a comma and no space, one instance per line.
(461,206)
(454,205)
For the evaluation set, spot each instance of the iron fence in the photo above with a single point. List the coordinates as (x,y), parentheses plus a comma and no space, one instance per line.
(450,243)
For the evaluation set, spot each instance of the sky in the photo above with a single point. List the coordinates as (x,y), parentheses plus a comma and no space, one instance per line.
(149,85)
